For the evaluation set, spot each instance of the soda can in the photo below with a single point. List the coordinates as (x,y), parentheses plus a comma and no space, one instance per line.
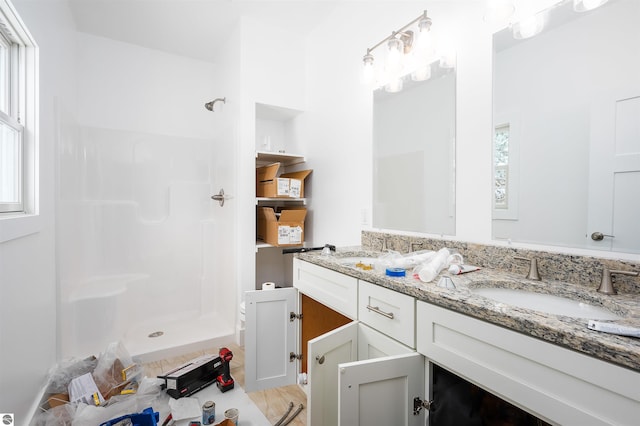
(208,413)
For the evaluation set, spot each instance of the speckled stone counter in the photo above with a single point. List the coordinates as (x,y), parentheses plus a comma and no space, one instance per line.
(565,331)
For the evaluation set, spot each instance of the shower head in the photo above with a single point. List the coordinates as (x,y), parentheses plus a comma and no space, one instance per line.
(209,105)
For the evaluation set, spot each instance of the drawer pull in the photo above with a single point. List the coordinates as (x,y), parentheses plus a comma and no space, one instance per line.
(377,310)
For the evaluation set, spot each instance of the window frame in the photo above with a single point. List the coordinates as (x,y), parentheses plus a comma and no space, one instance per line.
(15,207)
(22,115)
(11,103)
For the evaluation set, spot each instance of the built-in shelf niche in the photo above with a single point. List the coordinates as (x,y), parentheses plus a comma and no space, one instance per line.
(276,129)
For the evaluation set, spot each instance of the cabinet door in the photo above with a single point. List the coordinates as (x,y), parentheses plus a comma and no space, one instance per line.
(325,353)
(381,391)
(270,338)
(342,352)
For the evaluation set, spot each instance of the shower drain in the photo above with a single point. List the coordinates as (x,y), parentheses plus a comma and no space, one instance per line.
(156,334)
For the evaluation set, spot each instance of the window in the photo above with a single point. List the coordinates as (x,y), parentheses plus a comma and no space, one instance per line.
(506,166)
(17,114)
(501,167)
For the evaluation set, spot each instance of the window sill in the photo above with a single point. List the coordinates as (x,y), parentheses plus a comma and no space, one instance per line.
(18,226)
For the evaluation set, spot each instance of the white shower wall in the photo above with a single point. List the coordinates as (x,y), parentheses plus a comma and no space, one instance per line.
(139,236)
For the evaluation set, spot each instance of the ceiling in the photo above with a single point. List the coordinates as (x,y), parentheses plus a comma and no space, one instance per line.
(193,28)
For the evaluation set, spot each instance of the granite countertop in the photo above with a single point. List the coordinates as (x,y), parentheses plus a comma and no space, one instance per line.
(561,330)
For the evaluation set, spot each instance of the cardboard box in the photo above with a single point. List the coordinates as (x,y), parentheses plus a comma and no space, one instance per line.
(287,185)
(286,230)
(57,399)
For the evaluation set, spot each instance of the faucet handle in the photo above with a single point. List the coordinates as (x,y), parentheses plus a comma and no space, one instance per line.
(606,284)
(533,268)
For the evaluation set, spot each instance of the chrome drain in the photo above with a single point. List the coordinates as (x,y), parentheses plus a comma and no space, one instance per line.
(156,334)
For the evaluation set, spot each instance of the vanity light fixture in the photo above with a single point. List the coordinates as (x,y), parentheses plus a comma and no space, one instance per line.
(585,5)
(409,50)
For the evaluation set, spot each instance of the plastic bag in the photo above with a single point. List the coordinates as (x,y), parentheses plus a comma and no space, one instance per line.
(115,369)
(61,375)
(149,394)
(58,416)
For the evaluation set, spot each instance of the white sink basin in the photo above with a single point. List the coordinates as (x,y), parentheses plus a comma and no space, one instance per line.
(546,303)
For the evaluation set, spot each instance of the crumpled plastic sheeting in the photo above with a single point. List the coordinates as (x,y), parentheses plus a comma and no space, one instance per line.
(184,408)
(149,394)
(61,375)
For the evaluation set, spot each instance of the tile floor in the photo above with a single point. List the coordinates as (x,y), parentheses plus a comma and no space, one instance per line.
(273,403)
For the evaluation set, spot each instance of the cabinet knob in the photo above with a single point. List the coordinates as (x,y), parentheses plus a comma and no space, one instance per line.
(320,359)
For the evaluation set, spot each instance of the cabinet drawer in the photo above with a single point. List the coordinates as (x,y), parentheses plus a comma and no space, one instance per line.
(387,311)
(333,289)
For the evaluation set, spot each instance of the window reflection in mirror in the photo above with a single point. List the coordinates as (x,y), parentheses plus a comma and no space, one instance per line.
(571,98)
(414,154)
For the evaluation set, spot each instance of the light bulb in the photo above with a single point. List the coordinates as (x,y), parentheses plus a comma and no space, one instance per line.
(528,26)
(424,25)
(394,57)
(424,46)
(367,68)
(586,5)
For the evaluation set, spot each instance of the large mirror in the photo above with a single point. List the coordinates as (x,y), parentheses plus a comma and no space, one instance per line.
(414,155)
(567,130)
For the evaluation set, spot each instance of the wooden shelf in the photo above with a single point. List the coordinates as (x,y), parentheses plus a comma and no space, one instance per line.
(262,245)
(267,157)
(279,201)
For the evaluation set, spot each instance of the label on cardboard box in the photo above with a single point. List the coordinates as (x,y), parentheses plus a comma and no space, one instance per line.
(84,389)
(283,187)
(295,235)
(289,234)
(283,234)
(294,188)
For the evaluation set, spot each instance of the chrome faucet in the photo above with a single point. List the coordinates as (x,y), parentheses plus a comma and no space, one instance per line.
(606,285)
(533,268)
(384,244)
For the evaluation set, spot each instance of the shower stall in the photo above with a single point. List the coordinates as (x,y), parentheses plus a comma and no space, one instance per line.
(145,255)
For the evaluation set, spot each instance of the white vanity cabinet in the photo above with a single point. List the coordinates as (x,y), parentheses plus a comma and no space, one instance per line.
(556,384)
(356,375)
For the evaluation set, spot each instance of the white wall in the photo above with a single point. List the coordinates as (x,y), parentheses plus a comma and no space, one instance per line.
(27,265)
